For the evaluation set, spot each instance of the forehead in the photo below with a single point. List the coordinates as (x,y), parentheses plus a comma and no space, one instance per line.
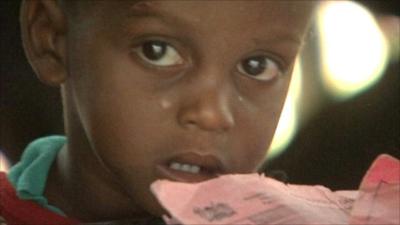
(276,13)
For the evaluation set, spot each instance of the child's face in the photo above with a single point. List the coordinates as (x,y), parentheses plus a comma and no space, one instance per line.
(158,85)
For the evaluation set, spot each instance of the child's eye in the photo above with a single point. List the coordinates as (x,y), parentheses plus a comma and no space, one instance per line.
(159,53)
(259,67)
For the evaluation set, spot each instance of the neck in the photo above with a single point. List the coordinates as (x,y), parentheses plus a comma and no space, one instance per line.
(79,184)
(83,188)
(86,195)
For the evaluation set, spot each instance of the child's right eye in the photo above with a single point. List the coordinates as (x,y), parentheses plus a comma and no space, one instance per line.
(159,53)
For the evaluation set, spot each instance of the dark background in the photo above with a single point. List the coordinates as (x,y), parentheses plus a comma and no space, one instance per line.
(338,144)
(334,148)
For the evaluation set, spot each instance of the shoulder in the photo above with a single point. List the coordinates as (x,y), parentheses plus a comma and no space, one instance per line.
(3,186)
(2,190)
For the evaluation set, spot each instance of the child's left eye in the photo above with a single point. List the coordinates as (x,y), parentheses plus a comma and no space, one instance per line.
(159,53)
(259,67)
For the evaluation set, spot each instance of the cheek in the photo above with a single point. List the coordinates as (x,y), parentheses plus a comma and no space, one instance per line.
(113,104)
(251,147)
(258,117)
(165,103)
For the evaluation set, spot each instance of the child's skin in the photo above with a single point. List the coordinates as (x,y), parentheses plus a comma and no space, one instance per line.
(148,83)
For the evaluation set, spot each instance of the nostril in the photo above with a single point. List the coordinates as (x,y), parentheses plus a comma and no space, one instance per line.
(190,124)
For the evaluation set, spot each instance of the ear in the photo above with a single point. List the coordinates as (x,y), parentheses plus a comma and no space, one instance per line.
(43,29)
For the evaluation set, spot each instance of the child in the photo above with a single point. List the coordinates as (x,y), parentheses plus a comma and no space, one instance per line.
(179,90)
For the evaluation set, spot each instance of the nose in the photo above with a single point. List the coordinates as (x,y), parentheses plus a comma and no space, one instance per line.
(207,107)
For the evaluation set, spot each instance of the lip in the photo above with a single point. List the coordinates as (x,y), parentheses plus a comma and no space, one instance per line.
(210,165)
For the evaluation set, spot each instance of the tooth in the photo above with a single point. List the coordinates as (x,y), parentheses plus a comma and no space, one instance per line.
(195,169)
(185,167)
(175,166)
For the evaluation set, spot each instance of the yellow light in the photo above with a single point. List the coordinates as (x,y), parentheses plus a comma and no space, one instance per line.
(4,165)
(353,49)
(287,125)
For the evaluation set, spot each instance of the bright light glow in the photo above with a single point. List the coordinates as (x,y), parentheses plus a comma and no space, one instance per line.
(287,125)
(354,50)
(4,165)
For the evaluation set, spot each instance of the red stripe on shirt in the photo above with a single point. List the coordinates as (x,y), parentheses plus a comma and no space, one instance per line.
(22,212)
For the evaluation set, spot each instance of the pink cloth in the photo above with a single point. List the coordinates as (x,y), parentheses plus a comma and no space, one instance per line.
(255,199)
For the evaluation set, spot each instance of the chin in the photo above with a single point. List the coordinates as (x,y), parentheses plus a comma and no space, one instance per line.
(155,209)
(152,206)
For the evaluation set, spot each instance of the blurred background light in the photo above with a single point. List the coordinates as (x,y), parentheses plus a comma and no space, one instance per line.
(353,50)
(288,121)
(353,54)
(4,164)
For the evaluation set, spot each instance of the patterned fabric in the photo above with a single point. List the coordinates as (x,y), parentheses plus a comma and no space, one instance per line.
(150,221)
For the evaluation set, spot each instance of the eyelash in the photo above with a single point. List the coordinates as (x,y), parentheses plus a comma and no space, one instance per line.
(168,49)
(260,67)
(280,60)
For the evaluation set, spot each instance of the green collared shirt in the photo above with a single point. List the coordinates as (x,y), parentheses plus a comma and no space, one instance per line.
(29,176)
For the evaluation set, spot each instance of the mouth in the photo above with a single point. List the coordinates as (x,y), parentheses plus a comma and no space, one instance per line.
(190,168)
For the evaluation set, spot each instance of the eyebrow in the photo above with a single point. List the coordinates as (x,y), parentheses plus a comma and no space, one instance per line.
(143,9)
(146,8)
(280,38)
